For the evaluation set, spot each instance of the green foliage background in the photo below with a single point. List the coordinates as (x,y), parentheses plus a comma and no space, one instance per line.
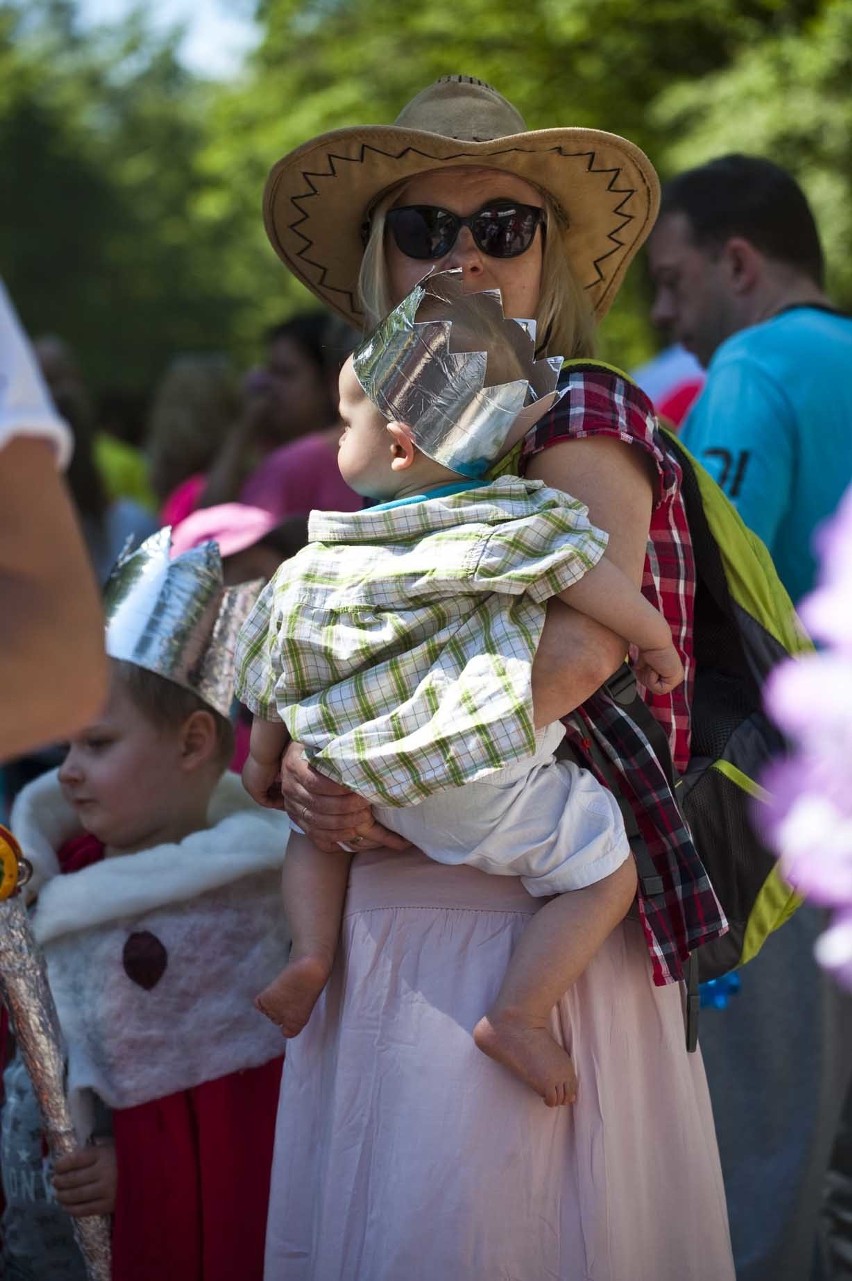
(129,217)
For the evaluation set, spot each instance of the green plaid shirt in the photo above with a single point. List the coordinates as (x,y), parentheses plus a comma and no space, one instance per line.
(398,645)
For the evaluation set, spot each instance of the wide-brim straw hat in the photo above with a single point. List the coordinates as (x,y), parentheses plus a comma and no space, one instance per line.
(318,197)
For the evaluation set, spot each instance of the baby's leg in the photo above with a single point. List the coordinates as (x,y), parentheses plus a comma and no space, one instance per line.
(555,948)
(313,886)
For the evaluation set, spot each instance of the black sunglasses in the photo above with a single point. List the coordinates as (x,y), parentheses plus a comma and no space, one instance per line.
(503,229)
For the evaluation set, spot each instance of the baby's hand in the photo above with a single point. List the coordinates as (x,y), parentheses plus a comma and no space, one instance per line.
(659,670)
(85,1181)
(263,783)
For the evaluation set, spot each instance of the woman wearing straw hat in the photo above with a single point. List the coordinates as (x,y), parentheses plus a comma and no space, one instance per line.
(402,1151)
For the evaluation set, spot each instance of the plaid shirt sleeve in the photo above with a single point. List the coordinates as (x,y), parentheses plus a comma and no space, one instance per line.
(599,401)
(543,555)
(257,657)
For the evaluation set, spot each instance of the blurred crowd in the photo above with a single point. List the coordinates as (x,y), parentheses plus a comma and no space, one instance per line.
(212,452)
(760,386)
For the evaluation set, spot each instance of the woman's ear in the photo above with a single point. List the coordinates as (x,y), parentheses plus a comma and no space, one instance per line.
(197,740)
(403,448)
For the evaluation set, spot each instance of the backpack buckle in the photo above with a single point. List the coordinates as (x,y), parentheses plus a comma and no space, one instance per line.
(622,686)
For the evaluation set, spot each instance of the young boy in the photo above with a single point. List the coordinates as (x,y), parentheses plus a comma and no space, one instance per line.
(398,646)
(159,915)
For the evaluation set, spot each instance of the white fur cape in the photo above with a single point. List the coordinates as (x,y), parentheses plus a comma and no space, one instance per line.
(212,903)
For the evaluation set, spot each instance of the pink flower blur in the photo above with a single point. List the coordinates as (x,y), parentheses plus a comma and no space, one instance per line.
(809,815)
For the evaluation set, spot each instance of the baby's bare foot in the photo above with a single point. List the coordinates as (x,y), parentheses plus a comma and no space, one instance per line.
(529,1050)
(289,999)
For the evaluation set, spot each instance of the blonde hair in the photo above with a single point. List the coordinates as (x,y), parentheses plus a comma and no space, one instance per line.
(564,316)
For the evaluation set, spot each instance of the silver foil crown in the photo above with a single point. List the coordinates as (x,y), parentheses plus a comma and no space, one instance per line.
(175,616)
(438,362)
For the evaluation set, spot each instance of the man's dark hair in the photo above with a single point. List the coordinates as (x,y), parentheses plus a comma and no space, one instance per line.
(751,197)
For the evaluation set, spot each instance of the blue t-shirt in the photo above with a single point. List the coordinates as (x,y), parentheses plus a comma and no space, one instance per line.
(773,425)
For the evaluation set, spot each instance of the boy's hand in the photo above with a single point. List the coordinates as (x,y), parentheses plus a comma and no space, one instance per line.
(85,1181)
(263,783)
(659,670)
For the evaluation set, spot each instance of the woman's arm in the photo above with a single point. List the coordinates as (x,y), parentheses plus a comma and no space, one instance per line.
(576,655)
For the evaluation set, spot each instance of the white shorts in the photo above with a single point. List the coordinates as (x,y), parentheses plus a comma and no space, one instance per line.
(549,822)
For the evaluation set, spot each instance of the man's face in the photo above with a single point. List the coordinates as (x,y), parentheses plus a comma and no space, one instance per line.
(693,299)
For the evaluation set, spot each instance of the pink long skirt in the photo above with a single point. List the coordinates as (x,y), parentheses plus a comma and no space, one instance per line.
(403,1154)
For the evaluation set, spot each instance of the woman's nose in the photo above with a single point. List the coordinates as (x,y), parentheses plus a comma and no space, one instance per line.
(465,253)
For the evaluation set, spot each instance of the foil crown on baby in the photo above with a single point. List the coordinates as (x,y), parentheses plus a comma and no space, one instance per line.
(175,616)
(417,368)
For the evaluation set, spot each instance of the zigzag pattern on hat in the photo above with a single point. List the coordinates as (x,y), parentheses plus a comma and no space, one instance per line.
(313,178)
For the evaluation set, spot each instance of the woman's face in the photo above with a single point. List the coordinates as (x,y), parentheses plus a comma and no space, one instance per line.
(464,191)
(297,392)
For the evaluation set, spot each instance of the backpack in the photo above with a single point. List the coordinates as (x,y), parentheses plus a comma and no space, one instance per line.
(744,625)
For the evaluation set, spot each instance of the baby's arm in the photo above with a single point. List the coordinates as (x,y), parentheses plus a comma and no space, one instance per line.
(262,770)
(606,595)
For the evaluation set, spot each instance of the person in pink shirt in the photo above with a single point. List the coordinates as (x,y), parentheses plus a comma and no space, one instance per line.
(281,453)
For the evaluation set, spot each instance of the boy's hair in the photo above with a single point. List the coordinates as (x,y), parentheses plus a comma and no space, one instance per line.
(566,322)
(748,196)
(168,705)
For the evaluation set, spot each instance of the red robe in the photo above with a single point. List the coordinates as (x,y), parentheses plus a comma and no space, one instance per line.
(193,1168)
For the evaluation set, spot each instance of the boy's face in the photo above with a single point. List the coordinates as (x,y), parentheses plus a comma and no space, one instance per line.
(121,775)
(364,453)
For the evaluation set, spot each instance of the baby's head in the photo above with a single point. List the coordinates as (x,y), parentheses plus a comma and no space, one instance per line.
(143,773)
(377,456)
(439,391)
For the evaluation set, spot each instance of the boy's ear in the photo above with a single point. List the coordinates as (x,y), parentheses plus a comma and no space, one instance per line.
(403,448)
(198,740)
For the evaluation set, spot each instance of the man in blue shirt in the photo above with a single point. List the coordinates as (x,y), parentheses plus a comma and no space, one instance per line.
(737,270)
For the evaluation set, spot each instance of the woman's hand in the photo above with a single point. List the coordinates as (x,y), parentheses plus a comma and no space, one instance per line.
(85,1181)
(331,815)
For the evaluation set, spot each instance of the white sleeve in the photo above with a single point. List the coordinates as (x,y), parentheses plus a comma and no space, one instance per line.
(25,405)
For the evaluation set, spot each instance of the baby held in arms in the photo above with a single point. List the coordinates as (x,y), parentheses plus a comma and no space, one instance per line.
(398,647)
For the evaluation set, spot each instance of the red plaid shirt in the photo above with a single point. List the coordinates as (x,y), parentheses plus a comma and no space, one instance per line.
(599,401)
